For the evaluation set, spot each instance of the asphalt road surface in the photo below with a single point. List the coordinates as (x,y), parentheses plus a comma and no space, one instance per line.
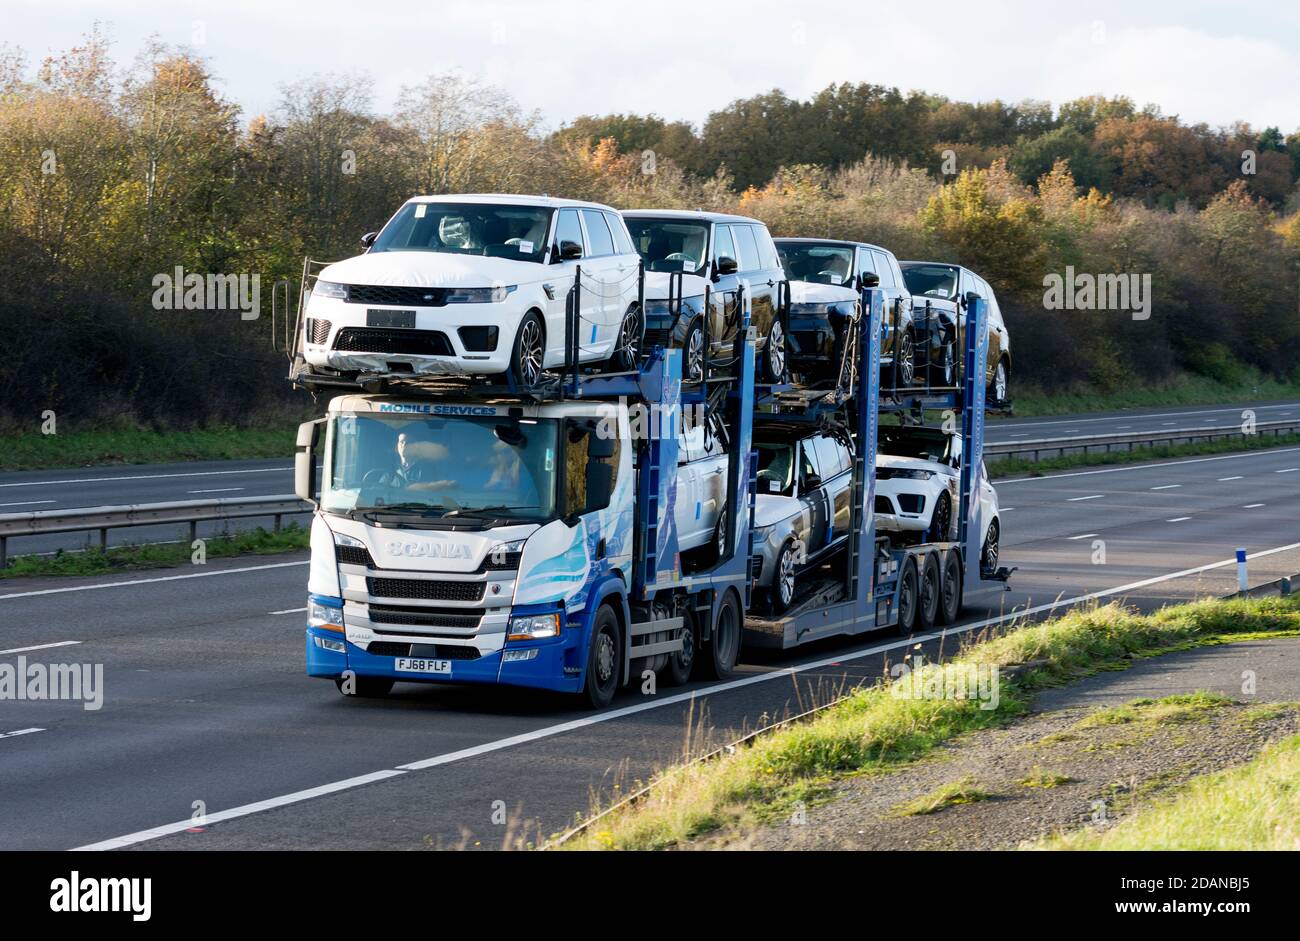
(206,707)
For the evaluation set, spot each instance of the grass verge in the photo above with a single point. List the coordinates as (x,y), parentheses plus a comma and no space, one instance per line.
(1255,806)
(124,558)
(874,728)
(135,446)
(1019,466)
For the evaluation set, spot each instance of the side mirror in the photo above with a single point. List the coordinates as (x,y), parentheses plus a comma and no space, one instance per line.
(369,239)
(304,460)
(727,265)
(570,250)
(870,279)
(970,298)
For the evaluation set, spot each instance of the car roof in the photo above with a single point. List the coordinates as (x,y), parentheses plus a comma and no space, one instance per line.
(937,264)
(511,199)
(803,239)
(697,215)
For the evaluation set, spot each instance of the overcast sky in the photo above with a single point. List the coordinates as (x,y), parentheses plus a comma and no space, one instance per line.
(1212,62)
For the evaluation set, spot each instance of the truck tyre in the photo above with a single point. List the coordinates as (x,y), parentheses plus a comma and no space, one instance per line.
(950,588)
(724,647)
(365,687)
(680,664)
(928,594)
(529,352)
(907,599)
(604,659)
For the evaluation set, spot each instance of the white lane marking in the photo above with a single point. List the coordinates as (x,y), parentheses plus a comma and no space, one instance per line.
(1122,427)
(1084,536)
(1095,496)
(1166,424)
(1005,509)
(61,643)
(245,810)
(1238,477)
(100,480)
(1251,506)
(1146,417)
(28,503)
(1178,519)
(1167,487)
(1021,435)
(552,730)
(150,581)
(1132,467)
(19,732)
(218,490)
(1287,470)
(288,611)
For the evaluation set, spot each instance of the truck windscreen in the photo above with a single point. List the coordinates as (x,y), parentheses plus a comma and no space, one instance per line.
(442,466)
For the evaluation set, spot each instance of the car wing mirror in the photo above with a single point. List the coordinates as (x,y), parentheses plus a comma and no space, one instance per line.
(812,482)
(870,279)
(727,265)
(570,250)
(369,239)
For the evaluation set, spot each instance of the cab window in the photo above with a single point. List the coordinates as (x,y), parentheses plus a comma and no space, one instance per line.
(590,467)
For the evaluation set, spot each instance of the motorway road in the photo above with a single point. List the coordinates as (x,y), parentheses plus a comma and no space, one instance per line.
(151,483)
(206,701)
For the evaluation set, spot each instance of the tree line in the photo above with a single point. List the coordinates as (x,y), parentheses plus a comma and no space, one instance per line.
(111,175)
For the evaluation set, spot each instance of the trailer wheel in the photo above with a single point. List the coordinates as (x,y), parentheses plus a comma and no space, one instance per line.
(927,608)
(907,600)
(604,660)
(724,647)
(680,664)
(950,590)
(365,687)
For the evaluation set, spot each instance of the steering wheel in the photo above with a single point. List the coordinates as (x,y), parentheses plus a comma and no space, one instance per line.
(374,477)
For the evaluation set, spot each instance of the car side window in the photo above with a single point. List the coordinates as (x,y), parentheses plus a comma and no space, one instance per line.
(744,236)
(767,253)
(568,229)
(866,262)
(828,457)
(602,243)
(884,270)
(723,246)
(808,463)
(622,240)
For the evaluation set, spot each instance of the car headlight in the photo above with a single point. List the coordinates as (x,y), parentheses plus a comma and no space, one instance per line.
(330,289)
(904,473)
(325,613)
(480,295)
(533,627)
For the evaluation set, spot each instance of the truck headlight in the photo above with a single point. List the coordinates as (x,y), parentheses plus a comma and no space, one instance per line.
(504,556)
(533,627)
(480,295)
(330,289)
(325,613)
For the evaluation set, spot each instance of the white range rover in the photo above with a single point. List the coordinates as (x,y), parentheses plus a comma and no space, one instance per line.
(478,285)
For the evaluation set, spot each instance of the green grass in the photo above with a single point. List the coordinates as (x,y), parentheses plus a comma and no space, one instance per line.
(1190,707)
(35,451)
(1255,806)
(1019,466)
(952,794)
(1188,389)
(125,558)
(1038,778)
(872,729)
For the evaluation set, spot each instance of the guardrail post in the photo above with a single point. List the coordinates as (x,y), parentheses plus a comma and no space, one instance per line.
(103,539)
(4,551)
(194,531)
(277,522)
(1243,583)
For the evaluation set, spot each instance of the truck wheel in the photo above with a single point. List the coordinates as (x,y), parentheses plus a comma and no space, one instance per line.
(927,609)
(724,648)
(530,349)
(907,600)
(365,687)
(950,588)
(680,664)
(604,660)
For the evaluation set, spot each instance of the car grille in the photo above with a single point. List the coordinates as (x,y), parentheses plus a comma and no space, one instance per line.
(396,294)
(399,342)
(424,590)
(318,331)
(354,555)
(388,648)
(425,617)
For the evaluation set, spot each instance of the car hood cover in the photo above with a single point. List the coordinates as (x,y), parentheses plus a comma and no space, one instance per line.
(435,270)
(656,285)
(914,463)
(810,292)
(772,508)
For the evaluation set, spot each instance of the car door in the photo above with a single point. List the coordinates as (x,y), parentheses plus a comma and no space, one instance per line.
(626,266)
(568,228)
(601,315)
(711,482)
(724,313)
(686,509)
(840,490)
(997,329)
(813,496)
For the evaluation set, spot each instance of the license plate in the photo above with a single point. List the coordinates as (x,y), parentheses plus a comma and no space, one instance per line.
(390,318)
(421,665)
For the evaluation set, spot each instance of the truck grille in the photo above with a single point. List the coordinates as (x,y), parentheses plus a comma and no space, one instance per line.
(354,555)
(424,590)
(387,648)
(393,342)
(401,296)
(425,617)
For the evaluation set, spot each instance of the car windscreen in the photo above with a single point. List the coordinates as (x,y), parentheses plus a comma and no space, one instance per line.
(820,264)
(495,231)
(931,281)
(917,443)
(435,467)
(670,244)
(775,466)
